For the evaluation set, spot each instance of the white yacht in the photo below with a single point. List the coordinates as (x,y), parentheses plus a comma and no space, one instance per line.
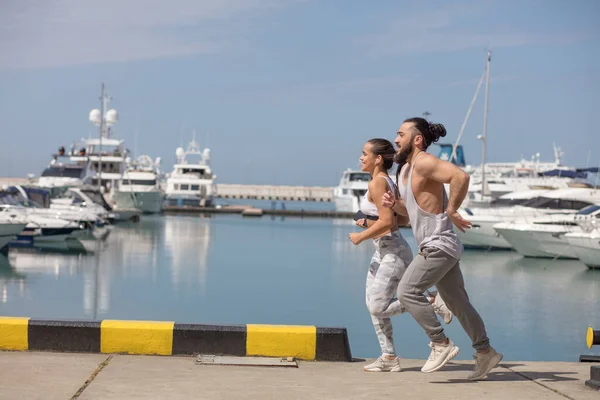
(90,199)
(519,206)
(191,183)
(106,153)
(544,236)
(140,187)
(63,172)
(11,224)
(352,187)
(50,228)
(586,244)
(44,231)
(112,156)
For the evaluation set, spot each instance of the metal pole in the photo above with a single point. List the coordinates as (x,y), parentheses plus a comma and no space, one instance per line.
(485,116)
(462,128)
(101,133)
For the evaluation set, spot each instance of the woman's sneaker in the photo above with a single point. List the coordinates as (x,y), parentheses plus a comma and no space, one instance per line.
(382,364)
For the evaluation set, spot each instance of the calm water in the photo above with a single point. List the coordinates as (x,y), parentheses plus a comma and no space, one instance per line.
(234,270)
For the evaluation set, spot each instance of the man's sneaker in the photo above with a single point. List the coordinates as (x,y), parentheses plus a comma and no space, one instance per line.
(440,355)
(382,364)
(484,363)
(440,308)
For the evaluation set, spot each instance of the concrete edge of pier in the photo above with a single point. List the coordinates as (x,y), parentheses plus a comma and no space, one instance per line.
(170,338)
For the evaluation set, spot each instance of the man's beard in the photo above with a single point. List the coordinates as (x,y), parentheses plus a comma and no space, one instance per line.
(401,157)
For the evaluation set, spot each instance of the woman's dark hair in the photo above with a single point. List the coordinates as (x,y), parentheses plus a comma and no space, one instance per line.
(385,149)
(431,132)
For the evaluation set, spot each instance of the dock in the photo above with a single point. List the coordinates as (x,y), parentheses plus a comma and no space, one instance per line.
(256,212)
(273,192)
(44,375)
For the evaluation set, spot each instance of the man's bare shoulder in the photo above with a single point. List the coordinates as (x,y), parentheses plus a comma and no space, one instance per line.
(426,163)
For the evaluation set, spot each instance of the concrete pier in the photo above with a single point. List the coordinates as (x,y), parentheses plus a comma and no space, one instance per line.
(275,192)
(38,375)
(257,212)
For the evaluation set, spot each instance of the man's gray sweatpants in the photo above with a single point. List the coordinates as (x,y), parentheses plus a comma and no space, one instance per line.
(435,267)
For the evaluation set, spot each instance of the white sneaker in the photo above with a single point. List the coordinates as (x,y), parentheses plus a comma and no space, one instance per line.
(382,364)
(440,355)
(440,308)
(484,363)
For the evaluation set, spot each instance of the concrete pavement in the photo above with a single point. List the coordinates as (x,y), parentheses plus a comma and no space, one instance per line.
(41,375)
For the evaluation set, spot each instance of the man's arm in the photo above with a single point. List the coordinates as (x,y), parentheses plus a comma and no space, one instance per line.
(431,167)
(444,172)
(396,204)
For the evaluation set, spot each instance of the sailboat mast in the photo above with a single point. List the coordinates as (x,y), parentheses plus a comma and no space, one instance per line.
(485,117)
(102,110)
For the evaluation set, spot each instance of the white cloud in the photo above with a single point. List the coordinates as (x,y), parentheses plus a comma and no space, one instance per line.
(70,32)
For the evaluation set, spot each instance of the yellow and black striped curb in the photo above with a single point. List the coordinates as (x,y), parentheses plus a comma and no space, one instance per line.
(170,338)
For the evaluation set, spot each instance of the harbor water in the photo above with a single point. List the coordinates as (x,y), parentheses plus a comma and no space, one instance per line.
(229,269)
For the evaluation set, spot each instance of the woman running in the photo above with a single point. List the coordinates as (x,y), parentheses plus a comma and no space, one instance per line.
(392,253)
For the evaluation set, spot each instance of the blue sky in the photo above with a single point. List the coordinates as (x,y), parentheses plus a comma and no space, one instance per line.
(287,92)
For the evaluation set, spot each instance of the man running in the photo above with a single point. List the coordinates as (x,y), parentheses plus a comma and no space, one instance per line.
(420,179)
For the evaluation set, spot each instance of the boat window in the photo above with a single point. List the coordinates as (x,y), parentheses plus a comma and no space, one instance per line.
(193,171)
(63,172)
(589,210)
(176,186)
(359,177)
(561,223)
(185,187)
(556,204)
(195,187)
(508,202)
(146,182)
(97,198)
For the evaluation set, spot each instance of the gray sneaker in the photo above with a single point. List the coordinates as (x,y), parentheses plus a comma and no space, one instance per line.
(484,363)
(440,308)
(382,364)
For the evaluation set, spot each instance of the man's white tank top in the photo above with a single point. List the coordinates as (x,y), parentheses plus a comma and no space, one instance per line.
(430,230)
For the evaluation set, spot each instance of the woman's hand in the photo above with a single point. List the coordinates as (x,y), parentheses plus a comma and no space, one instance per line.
(356,238)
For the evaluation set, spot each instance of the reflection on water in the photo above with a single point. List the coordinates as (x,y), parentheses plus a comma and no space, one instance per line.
(229,269)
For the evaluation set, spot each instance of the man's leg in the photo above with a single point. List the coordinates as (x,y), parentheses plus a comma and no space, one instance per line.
(424,272)
(452,288)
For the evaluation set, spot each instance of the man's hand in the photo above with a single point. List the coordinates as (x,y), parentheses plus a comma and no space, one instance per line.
(459,221)
(362,222)
(388,200)
(356,238)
